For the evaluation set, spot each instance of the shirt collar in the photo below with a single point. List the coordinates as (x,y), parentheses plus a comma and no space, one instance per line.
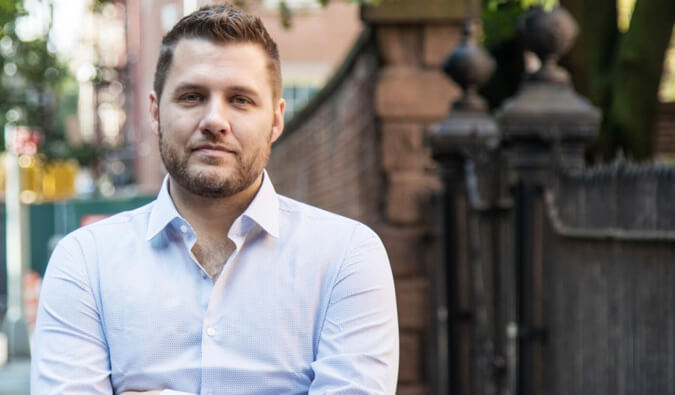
(263,210)
(163,211)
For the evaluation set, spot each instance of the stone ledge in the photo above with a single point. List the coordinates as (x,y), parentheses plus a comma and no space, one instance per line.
(417,11)
(414,94)
(400,44)
(439,42)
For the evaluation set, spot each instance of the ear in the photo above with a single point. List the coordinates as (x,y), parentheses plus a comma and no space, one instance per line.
(278,122)
(154,112)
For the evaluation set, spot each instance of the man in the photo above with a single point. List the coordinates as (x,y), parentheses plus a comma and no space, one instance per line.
(219,286)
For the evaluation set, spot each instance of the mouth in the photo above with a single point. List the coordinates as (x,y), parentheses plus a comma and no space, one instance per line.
(213,150)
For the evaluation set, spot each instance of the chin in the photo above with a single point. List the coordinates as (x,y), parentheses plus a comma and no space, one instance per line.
(212,172)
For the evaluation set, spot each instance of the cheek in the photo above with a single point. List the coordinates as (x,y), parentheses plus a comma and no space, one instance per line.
(177,129)
(253,129)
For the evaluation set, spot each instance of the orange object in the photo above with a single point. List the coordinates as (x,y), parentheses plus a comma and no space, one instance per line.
(32,282)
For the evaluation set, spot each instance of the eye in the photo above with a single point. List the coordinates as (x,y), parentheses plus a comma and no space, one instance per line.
(241,100)
(190,98)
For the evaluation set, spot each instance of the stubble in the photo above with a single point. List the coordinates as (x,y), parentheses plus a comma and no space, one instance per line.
(213,184)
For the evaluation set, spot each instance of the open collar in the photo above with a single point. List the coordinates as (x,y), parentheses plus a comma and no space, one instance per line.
(263,210)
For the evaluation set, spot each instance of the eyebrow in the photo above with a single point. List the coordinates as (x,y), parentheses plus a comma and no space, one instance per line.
(240,89)
(244,90)
(188,87)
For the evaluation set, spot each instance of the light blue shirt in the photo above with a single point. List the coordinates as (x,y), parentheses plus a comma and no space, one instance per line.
(305,304)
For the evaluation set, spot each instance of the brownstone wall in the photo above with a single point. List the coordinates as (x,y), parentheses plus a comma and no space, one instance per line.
(359,150)
(412,94)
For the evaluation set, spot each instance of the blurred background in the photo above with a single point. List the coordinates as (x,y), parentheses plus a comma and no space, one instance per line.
(372,133)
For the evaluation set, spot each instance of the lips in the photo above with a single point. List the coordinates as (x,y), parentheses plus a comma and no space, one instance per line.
(213,149)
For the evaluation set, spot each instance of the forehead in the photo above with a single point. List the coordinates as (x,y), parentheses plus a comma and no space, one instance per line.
(202,62)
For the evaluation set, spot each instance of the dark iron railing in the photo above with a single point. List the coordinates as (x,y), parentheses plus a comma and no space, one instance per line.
(552,274)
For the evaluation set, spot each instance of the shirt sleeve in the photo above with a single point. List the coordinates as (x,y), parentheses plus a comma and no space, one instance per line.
(69,354)
(358,348)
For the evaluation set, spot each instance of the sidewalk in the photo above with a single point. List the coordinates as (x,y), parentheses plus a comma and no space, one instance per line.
(15,378)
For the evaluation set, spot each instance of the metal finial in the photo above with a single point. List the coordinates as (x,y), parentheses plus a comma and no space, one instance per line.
(470,66)
(549,35)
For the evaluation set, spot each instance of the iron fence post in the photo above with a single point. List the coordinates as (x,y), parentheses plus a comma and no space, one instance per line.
(468,128)
(545,125)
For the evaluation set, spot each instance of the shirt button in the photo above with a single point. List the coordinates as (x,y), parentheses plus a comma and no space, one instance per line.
(210,331)
(184,228)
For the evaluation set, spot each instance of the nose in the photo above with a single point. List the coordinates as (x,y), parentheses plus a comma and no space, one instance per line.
(215,119)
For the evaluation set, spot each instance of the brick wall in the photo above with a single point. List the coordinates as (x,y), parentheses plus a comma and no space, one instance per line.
(359,150)
(328,155)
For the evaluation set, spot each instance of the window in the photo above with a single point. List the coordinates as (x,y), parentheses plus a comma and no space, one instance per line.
(296,97)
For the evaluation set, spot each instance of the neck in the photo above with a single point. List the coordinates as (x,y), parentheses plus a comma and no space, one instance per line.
(212,216)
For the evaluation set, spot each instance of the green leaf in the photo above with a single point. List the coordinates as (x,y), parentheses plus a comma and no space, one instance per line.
(285,14)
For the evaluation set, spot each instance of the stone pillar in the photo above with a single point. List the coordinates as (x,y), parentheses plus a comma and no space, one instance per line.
(546,125)
(411,94)
(467,130)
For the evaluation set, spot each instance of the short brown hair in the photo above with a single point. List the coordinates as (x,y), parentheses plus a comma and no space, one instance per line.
(220,24)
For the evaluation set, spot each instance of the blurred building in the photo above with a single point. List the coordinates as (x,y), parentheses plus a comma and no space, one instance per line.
(93,39)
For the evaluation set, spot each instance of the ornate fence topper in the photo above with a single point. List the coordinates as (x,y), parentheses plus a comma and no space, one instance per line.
(619,201)
(468,127)
(548,35)
(547,113)
(470,66)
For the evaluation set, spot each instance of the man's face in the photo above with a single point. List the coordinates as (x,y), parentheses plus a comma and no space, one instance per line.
(217,117)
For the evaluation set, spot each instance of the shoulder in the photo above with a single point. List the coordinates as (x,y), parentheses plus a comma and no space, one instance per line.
(88,248)
(326,234)
(114,229)
(320,221)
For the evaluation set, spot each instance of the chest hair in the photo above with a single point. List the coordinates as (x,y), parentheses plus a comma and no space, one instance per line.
(212,255)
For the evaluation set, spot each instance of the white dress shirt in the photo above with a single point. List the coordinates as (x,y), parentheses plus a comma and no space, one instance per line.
(305,304)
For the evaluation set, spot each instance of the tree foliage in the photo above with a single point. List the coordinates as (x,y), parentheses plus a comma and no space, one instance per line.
(32,76)
(619,72)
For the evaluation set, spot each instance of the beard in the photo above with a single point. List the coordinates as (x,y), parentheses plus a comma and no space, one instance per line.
(213,183)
